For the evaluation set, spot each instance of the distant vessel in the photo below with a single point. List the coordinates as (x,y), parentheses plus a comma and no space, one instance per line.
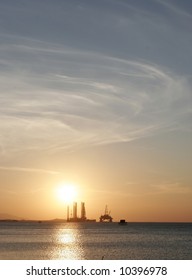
(106,217)
(122,222)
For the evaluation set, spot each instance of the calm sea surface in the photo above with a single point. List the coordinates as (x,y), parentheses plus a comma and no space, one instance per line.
(94,240)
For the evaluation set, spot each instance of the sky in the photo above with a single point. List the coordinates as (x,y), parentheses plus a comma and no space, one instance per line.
(97,94)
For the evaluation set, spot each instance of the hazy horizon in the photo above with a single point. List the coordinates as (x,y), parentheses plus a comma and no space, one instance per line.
(96,94)
(10,218)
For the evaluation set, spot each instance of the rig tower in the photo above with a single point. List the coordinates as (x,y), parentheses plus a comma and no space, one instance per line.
(83,212)
(74,210)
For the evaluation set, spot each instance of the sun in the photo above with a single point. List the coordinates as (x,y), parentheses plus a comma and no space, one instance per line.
(66,192)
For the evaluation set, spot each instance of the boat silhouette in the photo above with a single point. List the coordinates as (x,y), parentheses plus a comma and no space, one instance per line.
(122,222)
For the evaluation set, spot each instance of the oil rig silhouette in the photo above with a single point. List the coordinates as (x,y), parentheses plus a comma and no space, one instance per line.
(106,217)
(75,218)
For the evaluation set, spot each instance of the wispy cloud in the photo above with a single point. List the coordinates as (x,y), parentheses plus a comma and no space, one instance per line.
(139,188)
(65,92)
(23,169)
(174,8)
(171,187)
(73,98)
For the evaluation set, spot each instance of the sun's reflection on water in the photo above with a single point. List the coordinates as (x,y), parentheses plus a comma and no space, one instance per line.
(68,244)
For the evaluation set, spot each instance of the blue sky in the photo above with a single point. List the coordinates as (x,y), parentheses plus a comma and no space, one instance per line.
(79,78)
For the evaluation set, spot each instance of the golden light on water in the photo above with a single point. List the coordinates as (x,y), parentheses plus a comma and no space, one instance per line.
(68,245)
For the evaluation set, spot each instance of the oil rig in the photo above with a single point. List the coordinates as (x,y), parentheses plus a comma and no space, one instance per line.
(106,217)
(75,218)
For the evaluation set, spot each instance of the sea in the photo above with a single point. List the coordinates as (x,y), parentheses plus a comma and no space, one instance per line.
(95,241)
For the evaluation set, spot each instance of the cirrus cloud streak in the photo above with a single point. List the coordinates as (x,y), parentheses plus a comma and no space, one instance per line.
(71,98)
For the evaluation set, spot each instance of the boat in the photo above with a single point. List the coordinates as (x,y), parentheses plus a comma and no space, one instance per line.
(122,222)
